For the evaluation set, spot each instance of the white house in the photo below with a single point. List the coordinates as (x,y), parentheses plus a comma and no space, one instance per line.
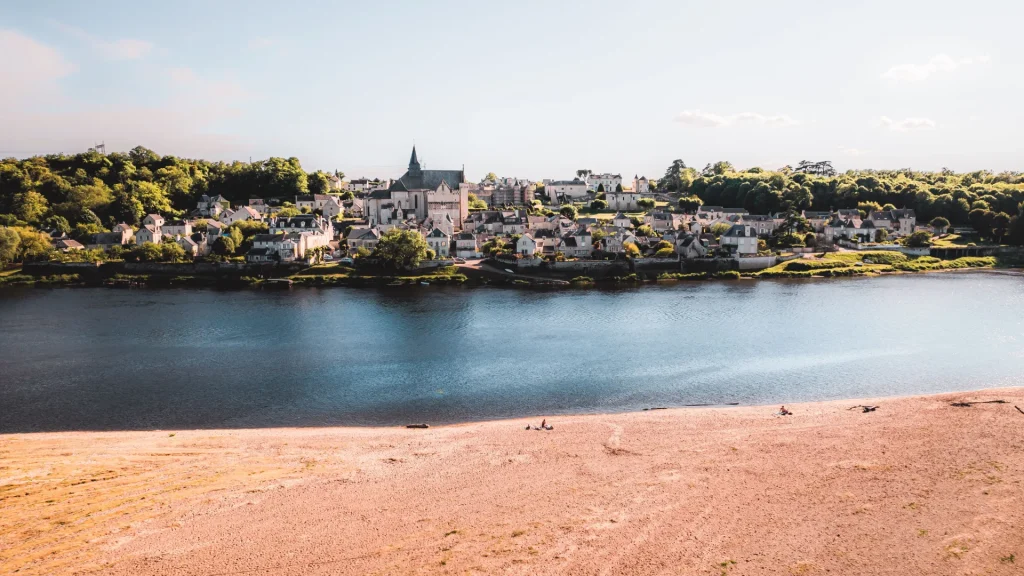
(897,222)
(689,246)
(641,185)
(625,200)
(610,182)
(466,245)
(154,220)
(283,247)
(243,213)
(439,242)
(148,233)
(313,201)
(212,206)
(314,231)
(332,208)
(569,189)
(362,237)
(576,245)
(762,225)
(188,245)
(741,239)
(620,220)
(177,228)
(527,245)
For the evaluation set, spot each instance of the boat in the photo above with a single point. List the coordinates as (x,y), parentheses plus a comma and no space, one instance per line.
(395,283)
(424,283)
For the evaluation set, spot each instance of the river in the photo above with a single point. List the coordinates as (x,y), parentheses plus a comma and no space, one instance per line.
(109,359)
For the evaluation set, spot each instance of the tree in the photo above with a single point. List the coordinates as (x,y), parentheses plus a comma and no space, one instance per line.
(919,239)
(142,156)
(722,167)
(172,252)
(600,188)
(32,244)
(58,223)
(674,174)
(317,183)
(811,239)
(476,203)
(618,187)
(569,211)
(145,252)
(224,245)
(599,204)
(720,228)
(646,231)
(287,212)
(868,207)
(631,250)
(491,176)
(645,203)
(9,243)
(1000,225)
(690,203)
(939,224)
(30,206)
(881,235)
(582,174)
(400,249)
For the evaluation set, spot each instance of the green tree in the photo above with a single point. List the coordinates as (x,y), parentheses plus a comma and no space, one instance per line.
(1000,225)
(287,212)
(318,183)
(569,211)
(491,176)
(690,203)
(599,205)
(600,188)
(476,203)
(32,244)
(224,246)
(645,203)
(172,252)
(674,177)
(30,206)
(720,228)
(939,224)
(152,198)
(919,239)
(631,250)
(646,231)
(58,223)
(400,249)
(10,241)
(722,167)
(881,235)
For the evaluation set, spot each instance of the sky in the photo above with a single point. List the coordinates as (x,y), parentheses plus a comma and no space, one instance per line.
(526,89)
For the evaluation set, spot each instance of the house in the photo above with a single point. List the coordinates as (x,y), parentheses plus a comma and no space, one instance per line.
(202,243)
(662,221)
(332,209)
(641,185)
(334,182)
(741,240)
(513,222)
(467,246)
(762,225)
(212,206)
(154,220)
(215,228)
(260,256)
(444,224)
(579,244)
(120,235)
(422,194)
(897,222)
(177,228)
(620,220)
(311,202)
(362,237)
(354,207)
(817,220)
(148,233)
(710,212)
(188,245)
(439,242)
(527,245)
(623,200)
(568,190)
(313,231)
(606,182)
(259,205)
(689,246)
(506,192)
(67,245)
(242,214)
(281,247)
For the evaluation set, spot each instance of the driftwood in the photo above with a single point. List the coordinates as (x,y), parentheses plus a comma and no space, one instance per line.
(418,426)
(1018,409)
(969,404)
(657,408)
(864,408)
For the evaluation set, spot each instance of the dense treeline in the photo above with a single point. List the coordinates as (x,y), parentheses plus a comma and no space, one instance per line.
(985,200)
(94,190)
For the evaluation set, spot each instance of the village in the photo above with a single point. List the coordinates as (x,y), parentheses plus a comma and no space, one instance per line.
(591,217)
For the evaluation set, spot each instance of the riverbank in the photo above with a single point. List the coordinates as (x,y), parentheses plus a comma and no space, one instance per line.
(917,486)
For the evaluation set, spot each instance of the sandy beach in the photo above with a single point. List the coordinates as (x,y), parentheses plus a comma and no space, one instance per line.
(916,487)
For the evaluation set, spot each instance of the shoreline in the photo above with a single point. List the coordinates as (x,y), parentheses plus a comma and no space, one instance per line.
(917,486)
(670,410)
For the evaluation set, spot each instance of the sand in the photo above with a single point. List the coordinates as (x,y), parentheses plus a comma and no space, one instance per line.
(916,487)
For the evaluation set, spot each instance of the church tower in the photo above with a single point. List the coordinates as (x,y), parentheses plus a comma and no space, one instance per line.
(414,163)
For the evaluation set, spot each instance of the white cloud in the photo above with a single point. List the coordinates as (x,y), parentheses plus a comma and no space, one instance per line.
(907,124)
(710,120)
(939,63)
(121,49)
(33,69)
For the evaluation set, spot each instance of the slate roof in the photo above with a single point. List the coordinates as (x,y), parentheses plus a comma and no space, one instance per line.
(739,231)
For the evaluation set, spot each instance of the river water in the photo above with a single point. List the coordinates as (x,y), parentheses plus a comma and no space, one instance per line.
(105,359)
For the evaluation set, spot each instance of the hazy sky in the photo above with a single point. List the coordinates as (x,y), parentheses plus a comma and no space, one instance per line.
(523,88)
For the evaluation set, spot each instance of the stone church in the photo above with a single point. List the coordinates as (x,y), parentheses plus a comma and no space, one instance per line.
(420,194)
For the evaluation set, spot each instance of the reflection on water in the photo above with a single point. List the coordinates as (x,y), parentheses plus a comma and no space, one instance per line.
(139,359)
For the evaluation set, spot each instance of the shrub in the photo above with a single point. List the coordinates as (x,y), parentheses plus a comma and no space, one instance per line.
(799,265)
(582,280)
(728,275)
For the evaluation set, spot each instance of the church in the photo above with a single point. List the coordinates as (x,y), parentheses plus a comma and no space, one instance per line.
(420,194)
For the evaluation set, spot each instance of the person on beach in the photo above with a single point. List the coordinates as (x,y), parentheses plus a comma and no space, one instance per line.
(784,412)
(544,423)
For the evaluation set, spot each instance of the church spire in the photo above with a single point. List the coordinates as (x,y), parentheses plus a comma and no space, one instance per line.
(414,163)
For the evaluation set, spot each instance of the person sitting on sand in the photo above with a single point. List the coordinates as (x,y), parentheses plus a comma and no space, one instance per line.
(785,412)
(544,423)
